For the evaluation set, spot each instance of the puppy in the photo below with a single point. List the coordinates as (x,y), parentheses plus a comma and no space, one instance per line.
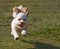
(19,22)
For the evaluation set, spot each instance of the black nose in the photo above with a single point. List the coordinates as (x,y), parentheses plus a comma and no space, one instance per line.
(22,23)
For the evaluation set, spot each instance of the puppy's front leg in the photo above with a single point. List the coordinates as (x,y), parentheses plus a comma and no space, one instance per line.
(23,32)
(14,32)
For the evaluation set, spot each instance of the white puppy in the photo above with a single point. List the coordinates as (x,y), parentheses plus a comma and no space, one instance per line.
(19,22)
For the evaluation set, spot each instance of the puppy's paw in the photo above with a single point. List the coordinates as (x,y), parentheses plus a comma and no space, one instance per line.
(16,38)
(23,32)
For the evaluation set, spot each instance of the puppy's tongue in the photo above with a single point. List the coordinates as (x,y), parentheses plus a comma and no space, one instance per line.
(20,25)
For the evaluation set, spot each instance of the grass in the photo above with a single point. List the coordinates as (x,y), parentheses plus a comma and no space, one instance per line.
(43,28)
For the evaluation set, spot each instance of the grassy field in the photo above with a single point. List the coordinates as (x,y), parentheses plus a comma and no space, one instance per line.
(43,28)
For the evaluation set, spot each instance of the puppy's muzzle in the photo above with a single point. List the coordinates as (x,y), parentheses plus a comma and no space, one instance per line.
(22,22)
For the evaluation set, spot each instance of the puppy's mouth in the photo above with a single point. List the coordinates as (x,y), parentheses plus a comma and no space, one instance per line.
(21,25)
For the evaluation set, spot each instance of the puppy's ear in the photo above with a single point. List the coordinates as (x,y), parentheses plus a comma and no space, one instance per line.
(27,11)
(15,8)
(20,7)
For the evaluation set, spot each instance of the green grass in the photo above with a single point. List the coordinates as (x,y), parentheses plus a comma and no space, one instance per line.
(43,28)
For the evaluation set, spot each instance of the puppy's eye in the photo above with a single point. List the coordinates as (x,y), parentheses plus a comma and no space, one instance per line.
(24,19)
(19,19)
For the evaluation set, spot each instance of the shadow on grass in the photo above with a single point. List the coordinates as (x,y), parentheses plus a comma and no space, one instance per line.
(39,45)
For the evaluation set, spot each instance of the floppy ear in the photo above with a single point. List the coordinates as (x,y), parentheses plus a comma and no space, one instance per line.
(27,11)
(14,8)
